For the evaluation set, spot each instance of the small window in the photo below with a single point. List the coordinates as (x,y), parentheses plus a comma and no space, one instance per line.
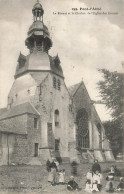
(56,118)
(35,123)
(59,85)
(54,82)
(36,150)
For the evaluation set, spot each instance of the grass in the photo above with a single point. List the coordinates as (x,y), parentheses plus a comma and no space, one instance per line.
(33,179)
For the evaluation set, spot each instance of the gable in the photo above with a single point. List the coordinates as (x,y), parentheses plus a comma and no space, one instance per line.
(73,89)
(81,98)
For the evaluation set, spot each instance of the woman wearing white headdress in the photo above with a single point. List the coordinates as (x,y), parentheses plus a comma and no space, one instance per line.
(52,173)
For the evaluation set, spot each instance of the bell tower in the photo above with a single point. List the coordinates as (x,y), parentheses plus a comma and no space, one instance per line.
(38,34)
(38,11)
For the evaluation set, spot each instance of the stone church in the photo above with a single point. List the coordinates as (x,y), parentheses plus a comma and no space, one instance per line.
(43,117)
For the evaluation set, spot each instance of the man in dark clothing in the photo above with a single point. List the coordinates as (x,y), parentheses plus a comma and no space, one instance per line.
(53,165)
(48,165)
(72,185)
(96,167)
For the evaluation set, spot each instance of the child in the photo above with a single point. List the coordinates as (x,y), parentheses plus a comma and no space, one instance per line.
(109,185)
(95,186)
(88,187)
(120,186)
(97,180)
(62,177)
(112,170)
(89,175)
(72,185)
(88,181)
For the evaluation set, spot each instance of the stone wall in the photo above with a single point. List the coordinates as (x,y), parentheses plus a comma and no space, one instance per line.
(14,140)
(34,134)
(20,154)
(46,103)
(21,145)
(13,149)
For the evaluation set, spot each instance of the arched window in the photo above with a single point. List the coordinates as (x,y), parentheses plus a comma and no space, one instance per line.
(59,85)
(56,114)
(83,130)
(54,82)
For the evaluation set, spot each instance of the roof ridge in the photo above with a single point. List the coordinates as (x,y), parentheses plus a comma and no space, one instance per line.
(75,89)
(19,109)
(34,108)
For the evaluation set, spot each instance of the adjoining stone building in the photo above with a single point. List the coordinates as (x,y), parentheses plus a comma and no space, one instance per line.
(43,117)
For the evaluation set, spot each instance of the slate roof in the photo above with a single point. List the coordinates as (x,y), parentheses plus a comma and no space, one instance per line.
(72,89)
(38,61)
(12,129)
(56,68)
(19,110)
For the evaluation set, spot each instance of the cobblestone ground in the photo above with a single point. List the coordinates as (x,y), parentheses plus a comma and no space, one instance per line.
(33,179)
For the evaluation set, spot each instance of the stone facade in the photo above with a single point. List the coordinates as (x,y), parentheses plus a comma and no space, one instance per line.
(44,118)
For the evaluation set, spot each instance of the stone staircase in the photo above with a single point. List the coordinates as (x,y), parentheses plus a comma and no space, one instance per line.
(91,156)
(56,154)
(86,157)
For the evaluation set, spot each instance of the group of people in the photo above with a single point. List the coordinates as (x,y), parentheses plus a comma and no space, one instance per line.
(110,181)
(93,178)
(56,176)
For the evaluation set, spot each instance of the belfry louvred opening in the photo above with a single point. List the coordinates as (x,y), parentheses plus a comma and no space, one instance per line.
(38,34)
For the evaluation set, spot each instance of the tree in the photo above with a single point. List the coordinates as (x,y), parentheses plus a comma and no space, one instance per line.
(111,90)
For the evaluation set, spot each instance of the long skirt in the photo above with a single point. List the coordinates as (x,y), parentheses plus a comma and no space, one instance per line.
(109,186)
(52,176)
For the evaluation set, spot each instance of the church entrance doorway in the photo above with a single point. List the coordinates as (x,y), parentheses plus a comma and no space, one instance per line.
(82,129)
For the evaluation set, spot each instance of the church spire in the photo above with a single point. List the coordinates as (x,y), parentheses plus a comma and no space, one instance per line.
(38,34)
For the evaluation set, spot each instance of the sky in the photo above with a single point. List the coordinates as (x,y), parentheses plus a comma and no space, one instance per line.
(84,42)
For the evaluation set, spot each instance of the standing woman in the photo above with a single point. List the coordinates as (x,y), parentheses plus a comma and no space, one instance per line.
(52,173)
